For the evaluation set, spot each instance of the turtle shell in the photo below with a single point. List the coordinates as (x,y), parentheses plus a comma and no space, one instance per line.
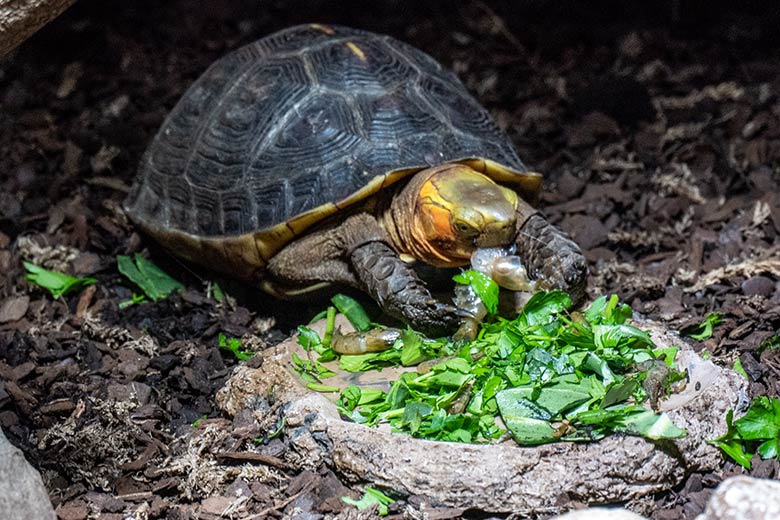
(289,130)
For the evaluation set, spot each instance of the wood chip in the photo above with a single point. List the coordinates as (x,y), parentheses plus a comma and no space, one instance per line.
(250,456)
(61,406)
(85,300)
(14,308)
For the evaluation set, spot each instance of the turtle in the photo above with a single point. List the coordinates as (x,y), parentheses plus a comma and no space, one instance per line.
(322,154)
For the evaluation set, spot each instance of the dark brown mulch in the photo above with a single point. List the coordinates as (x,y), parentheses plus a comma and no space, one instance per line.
(657,128)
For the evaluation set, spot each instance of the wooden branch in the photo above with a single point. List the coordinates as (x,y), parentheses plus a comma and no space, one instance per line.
(19,19)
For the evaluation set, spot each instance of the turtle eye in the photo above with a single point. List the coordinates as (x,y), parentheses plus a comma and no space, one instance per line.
(465,229)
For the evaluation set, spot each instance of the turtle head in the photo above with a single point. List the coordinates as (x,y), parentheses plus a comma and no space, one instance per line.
(459,210)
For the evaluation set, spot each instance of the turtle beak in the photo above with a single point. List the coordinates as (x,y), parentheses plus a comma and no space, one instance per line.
(496,234)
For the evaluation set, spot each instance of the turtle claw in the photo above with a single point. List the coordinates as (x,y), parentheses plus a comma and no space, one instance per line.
(399,291)
(552,258)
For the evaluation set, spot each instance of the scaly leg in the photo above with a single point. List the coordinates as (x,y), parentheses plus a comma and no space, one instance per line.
(550,256)
(356,253)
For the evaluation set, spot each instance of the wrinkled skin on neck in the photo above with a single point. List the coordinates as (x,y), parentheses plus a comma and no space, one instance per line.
(447,212)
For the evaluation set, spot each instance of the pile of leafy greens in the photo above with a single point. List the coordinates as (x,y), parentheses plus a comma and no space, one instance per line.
(546,375)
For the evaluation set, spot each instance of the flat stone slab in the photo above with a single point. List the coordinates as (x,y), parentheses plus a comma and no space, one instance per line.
(22,495)
(495,477)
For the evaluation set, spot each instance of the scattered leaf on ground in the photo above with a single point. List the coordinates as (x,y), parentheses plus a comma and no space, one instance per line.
(153,281)
(58,284)
(758,431)
(705,328)
(234,345)
(370,497)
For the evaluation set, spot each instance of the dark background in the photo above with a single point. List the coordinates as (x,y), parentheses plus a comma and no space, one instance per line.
(655,124)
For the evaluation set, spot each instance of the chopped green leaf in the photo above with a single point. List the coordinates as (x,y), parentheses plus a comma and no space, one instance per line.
(650,425)
(554,399)
(769,449)
(739,369)
(545,376)
(353,311)
(153,281)
(543,307)
(308,338)
(412,352)
(668,354)
(758,431)
(616,336)
(357,363)
(234,345)
(705,328)
(216,292)
(528,422)
(414,413)
(370,497)
(762,420)
(350,397)
(330,325)
(322,388)
(484,287)
(58,284)
(619,392)
(136,299)
(311,371)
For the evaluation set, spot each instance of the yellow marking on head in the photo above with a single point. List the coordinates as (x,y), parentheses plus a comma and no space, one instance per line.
(437,222)
(323,28)
(458,210)
(437,208)
(357,51)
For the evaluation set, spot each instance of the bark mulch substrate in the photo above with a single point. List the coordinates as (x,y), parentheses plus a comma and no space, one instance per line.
(658,132)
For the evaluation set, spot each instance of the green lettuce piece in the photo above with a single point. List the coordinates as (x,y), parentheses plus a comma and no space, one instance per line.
(528,423)
(414,413)
(370,497)
(705,328)
(58,284)
(543,307)
(353,311)
(739,369)
(153,281)
(412,351)
(484,287)
(234,345)
(650,425)
(554,399)
(762,420)
(608,311)
(613,336)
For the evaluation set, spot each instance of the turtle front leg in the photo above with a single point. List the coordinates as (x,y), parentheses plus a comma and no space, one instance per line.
(356,253)
(551,257)
(398,290)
